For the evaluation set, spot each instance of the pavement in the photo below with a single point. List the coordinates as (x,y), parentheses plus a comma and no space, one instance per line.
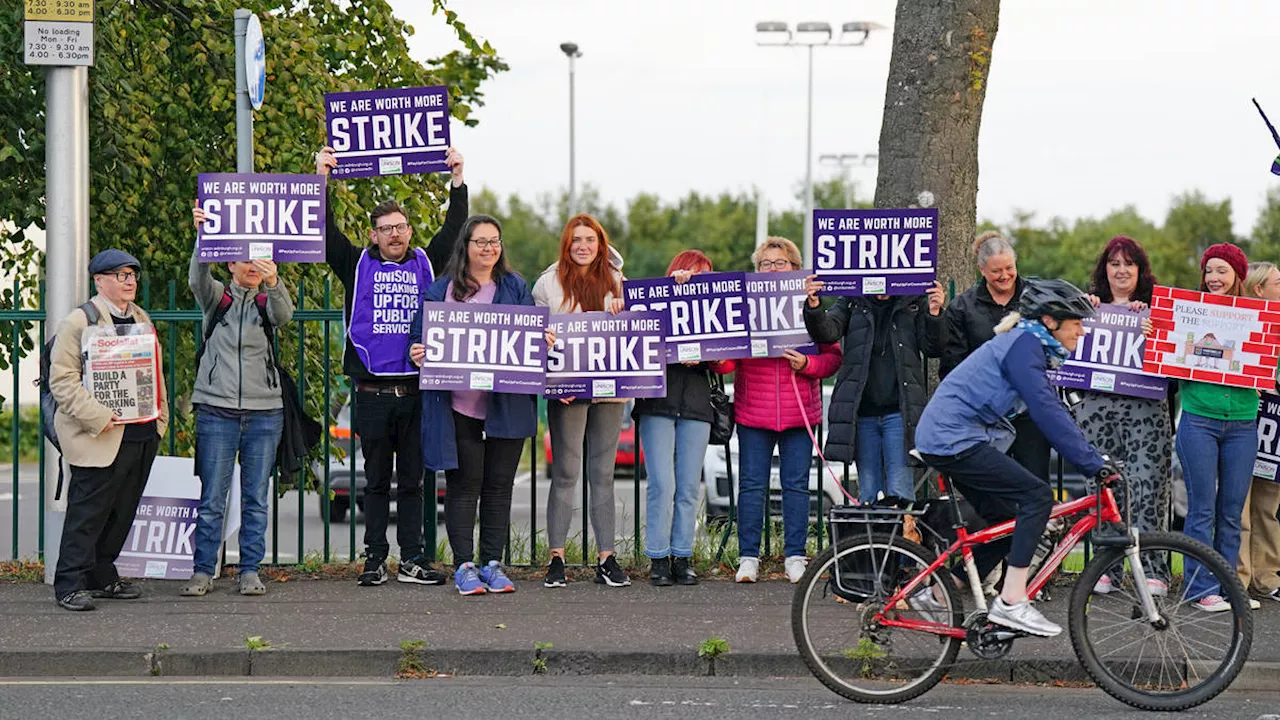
(334,628)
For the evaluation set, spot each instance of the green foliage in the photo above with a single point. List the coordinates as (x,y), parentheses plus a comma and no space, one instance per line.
(866,654)
(162,110)
(256,642)
(540,658)
(29,437)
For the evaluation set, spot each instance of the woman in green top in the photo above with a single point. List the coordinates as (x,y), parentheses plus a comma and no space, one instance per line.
(1216,442)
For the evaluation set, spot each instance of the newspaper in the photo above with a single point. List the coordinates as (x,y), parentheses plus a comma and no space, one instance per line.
(122,369)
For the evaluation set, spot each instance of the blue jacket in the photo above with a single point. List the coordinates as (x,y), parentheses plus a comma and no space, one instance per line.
(1002,378)
(509,415)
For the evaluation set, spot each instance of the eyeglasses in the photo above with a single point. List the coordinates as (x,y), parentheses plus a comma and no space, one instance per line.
(486,244)
(124,276)
(773,265)
(397,229)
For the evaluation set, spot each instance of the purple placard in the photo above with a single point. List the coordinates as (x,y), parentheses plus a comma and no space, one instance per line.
(252,216)
(875,252)
(1268,458)
(500,348)
(400,131)
(601,355)
(1109,357)
(776,307)
(161,543)
(707,314)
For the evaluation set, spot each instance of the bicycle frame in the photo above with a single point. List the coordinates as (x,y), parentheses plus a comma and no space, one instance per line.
(965,542)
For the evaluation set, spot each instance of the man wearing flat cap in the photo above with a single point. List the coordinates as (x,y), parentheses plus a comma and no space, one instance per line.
(109,458)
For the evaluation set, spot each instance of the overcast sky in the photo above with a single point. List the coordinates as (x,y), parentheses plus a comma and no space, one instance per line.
(1092,104)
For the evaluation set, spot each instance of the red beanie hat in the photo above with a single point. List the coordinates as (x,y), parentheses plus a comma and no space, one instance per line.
(1231,255)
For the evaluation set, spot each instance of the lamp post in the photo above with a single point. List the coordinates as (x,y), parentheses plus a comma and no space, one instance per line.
(847,162)
(571,51)
(811,35)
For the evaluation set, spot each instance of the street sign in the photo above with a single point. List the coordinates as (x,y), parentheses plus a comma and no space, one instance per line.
(59,10)
(58,32)
(255,62)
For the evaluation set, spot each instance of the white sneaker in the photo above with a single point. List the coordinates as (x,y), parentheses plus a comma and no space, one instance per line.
(1021,617)
(1158,588)
(795,566)
(748,570)
(1254,604)
(1104,585)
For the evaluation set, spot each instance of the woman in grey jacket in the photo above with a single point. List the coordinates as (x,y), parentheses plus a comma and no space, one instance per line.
(586,278)
(239,410)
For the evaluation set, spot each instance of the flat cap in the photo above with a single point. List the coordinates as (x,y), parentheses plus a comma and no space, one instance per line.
(109,260)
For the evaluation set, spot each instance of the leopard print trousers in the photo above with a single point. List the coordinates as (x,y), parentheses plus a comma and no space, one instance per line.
(1136,431)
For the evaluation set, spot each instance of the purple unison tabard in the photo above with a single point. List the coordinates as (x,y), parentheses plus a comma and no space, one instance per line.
(601,355)
(397,131)
(707,314)
(501,348)
(775,303)
(1109,357)
(251,216)
(875,252)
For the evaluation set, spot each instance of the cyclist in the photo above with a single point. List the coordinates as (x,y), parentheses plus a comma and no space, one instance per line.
(966,429)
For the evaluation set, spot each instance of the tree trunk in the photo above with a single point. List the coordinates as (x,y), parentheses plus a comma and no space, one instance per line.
(932,113)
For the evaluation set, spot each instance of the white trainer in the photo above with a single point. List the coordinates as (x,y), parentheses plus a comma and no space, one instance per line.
(748,570)
(795,565)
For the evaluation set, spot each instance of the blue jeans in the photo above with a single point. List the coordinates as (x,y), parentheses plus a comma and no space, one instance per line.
(755,455)
(674,449)
(1217,466)
(881,455)
(254,437)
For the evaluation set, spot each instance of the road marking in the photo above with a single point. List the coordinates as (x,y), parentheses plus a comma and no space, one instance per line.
(228,681)
(521,479)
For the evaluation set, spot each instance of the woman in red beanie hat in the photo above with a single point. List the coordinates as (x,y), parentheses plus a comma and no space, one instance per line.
(1216,442)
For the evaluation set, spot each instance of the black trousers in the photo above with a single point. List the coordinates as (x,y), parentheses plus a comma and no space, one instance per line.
(485,473)
(1031,447)
(101,505)
(1000,489)
(389,428)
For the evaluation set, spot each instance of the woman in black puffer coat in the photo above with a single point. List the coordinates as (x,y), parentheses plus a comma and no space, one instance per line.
(881,387)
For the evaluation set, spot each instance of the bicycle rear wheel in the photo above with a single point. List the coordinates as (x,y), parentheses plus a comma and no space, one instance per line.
(1187,658)
(833,611)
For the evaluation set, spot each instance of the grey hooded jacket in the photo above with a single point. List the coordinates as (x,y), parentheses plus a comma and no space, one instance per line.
(236,371)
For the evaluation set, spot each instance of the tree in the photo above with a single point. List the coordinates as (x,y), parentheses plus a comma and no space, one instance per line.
(932,114)
(162,110)
(1264,242)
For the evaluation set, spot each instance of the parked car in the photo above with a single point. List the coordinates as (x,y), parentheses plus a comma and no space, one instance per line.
(625,462)
(715,476)
(340,471)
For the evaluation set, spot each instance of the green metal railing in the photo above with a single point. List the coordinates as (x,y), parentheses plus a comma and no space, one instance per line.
(174,325)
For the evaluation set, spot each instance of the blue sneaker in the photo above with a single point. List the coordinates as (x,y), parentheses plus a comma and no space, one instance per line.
(467,580)
(496,580)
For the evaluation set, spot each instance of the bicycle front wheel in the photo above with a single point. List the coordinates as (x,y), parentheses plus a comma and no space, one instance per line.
(1186,658)
(833,620)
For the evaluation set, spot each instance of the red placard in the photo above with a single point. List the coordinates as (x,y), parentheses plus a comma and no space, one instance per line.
(1216,339)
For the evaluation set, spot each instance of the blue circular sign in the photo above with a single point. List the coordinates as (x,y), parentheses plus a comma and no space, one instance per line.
(255,62)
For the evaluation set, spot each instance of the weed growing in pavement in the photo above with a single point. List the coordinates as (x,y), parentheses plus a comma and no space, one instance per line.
(410,665)
(539,659)
(256,642)
(16,571)
(868,652)
(710,649)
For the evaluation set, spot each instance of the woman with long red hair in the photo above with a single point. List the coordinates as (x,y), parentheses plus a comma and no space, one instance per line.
(586,278)
(674,432)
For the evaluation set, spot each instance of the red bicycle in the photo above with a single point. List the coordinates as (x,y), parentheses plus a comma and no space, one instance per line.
(1142,640)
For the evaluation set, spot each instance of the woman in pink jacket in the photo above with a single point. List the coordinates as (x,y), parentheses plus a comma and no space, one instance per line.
(767,414)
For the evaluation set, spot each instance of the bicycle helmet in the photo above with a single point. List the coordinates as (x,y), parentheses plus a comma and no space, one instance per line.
(1058,299)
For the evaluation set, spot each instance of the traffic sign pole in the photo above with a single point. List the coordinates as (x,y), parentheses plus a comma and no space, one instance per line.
(59,34)
(244,109)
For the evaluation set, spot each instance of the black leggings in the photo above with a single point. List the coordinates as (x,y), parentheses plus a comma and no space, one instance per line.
(484,476)
(999,489)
